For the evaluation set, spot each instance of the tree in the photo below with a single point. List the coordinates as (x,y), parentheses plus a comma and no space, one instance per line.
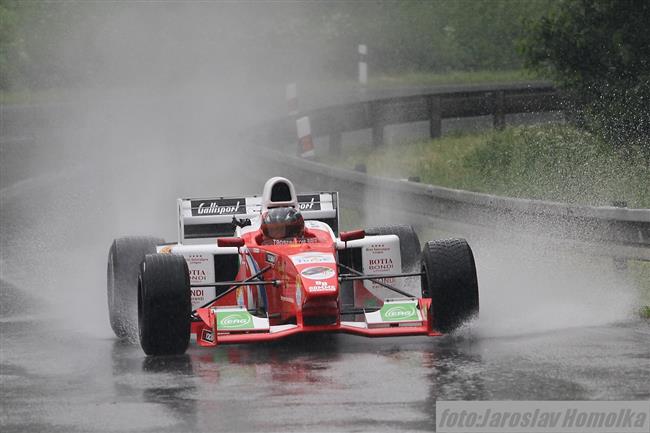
(598,51)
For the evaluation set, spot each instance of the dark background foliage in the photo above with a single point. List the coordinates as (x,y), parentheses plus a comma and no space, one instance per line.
(598,51)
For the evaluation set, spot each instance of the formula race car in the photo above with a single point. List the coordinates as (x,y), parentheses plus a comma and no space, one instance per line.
(249,269)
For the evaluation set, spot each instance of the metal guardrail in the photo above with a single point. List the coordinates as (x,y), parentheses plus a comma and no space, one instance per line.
(625,232)
(432,105)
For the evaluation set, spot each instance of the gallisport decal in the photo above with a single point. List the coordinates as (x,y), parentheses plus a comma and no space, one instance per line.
(318,273)
(309,202)
(312,258)
(232,320)
(224,206)
(393,312)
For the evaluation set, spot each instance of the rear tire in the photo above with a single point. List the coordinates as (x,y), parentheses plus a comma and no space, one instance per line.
(450,281)
(409,244)
(164,304)
(124,258)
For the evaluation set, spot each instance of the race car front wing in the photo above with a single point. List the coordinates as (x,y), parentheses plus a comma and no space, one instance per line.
(397,317)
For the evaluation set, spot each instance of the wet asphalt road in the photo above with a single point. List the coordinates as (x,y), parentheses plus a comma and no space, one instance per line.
(550,328)
(58,379)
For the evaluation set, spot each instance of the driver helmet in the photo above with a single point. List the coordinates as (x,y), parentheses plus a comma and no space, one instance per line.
(282,222)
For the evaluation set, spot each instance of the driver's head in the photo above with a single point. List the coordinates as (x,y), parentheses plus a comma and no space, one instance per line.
(282,222)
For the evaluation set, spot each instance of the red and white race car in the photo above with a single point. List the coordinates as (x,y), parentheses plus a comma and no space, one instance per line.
(260,268)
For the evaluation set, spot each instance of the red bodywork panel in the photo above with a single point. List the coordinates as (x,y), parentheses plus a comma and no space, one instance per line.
(305,298)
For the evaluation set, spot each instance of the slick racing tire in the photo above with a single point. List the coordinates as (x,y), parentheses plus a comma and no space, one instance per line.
(164,304)
(409,244)
(449,279)
(124,258)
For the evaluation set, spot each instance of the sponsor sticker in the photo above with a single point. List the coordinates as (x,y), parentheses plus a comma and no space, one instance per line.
(249,296)
(199,268)
(231,320)
(298,290)
(198,275)
(198,294)
(240,296)
(379,248)
(224,206)
(309,202)
(207,335)
(318,273)
(286,299)
(321,286)
(391,312)
(312,258)
(382,264)
(271,258)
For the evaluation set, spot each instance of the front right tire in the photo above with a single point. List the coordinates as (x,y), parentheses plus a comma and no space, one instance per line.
(124,258)
(449,279)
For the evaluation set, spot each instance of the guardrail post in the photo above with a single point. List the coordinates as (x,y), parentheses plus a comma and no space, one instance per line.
(499,119)
(435,117)
(305,143)
(363,66)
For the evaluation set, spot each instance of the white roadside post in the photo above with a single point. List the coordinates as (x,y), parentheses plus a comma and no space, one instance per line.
(363,66)
(291,95)
(305,142)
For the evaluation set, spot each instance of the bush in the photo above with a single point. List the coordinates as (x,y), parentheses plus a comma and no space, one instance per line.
(598,51)
(560,163)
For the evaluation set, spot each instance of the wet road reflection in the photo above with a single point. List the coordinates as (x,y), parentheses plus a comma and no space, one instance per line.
(57,380)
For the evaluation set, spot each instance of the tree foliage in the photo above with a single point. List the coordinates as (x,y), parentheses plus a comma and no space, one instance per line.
(68,43)
(599,53)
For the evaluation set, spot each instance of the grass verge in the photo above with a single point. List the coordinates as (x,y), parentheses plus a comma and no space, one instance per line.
(452,77)
(547,162)
(26,96)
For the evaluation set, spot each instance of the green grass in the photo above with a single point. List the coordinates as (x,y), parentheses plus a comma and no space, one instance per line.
(452,77)
(548,162)
(26,96)
(640,272)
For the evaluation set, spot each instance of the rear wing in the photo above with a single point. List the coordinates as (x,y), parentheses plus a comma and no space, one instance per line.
(210,218)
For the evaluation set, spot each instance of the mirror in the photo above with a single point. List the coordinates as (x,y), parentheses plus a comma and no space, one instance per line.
(230,242)
(353,235)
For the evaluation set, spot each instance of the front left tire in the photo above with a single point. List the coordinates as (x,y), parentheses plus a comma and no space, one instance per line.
(164,305)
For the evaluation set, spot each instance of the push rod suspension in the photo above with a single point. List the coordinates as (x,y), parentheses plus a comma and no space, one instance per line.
(375,280)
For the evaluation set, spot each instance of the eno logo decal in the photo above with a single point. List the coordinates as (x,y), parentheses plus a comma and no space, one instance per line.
(390,313)
(234,320)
